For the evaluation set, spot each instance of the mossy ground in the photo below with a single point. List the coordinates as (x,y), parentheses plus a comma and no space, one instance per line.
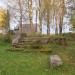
(36,63)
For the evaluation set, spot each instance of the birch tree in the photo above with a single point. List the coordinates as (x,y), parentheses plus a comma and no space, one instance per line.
(47,12)
(30,14)
(59,14)
(18,12)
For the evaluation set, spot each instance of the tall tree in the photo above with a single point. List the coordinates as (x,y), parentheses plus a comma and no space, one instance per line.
(18,11)
(40,16)
(59,14)
(30,15)
(8,20)
(46,12)
(20,8)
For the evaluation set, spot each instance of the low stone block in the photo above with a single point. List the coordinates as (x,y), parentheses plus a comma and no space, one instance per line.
(55,60)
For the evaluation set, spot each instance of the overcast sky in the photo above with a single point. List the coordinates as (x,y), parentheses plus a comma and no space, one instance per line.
(2,4)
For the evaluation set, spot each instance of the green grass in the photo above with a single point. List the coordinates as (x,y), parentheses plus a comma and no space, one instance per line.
(36,63)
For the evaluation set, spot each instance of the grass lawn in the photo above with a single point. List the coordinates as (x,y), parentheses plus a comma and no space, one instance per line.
(36,63)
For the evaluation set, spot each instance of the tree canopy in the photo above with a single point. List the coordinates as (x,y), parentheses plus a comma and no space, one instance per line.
(3,18)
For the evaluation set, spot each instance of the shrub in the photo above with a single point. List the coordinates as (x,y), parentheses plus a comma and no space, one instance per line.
(5,38)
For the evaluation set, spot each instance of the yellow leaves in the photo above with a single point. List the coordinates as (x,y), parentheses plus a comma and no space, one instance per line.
(2,12)
(46,4)
(3,16)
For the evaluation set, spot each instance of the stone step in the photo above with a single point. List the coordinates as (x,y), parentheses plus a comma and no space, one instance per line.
(29,40)
(36,37)
(27,45)
(34,40)
(29,50)
(32,46)
(21,46)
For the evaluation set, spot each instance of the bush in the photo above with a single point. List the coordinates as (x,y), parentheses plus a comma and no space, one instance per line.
(5,38)
(73,19)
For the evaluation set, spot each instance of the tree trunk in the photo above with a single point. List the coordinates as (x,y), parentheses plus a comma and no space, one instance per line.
(20,16)
(56,29)
(30,15)
(48,23)
(60,28)
(62,10)
(36,19)
(40,18)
